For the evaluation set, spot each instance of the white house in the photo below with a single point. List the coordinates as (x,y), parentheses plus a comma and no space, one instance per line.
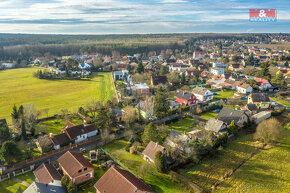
(257,118)
(177,67)
(121,75)
(244,88)
(7,65)
(202,94)
(263,84)
(85,66)
(217,71)
(219,65)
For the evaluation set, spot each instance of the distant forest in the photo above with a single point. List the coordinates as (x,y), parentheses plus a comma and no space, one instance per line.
(26,46)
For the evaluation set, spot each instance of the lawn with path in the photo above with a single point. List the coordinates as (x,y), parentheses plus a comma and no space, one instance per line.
(161,183)
(12,186)
(18,86)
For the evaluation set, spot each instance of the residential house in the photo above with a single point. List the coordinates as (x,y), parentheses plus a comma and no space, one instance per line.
(217,79)
(76,167)
(117,180)
(202,94)
(85,66)
(236,67)
(198,54)
(7,65)
(121,75)
(261,116)
(140,89)
(150,151)
(156,80)
(193,73)
(177,67)
(60,140)
(252,108)
(219,65)
(173,104)
(178,140)
(244,88)
(258,98)
(36,187)
(227,115)
(263,84)
(217,71)
(216,126)
(186,98)
(81,132)
(46,173)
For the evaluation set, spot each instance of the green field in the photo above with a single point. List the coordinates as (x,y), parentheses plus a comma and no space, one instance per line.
(183,125)
(208,115)
(287,104)
(224,94)
(211,170)
(18,86)
(268,171)
(160,183)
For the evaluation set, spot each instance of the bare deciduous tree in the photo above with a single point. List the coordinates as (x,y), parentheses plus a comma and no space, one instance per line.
(268,131)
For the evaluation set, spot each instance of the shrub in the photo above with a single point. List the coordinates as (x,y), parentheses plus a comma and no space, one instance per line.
(268,131)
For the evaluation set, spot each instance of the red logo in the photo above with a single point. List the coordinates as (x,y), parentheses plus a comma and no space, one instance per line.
(263,15)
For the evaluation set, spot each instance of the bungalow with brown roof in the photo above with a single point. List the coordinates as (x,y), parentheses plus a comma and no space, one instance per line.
(117,180)
(76,167)
(46,174)
(151,149)
(81,132)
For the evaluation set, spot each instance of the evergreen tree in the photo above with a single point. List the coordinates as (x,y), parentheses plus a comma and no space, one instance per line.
(4,132)
(139,113)
(182,78)
(150,134)
(65,181)
(163,70)
(140,67)
(71,187)
(279,79)
(264,73)
(21,111)
(15,116)
(233,129)
(160,102)
(23,129)
(160,162)
(9,152)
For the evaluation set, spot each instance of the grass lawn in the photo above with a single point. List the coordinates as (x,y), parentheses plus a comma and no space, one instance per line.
(186,124)
(208,115)
(287,104)
(55,126)
(160,183)
(268,171)
(10,186)
(224,94)
(212,169)
(18,86)
(27,177)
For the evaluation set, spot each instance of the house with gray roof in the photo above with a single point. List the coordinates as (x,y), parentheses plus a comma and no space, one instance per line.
(227,115)
(215,125)
(178,140)
(36,187)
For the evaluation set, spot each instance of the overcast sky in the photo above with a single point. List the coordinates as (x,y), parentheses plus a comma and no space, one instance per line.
(135,16)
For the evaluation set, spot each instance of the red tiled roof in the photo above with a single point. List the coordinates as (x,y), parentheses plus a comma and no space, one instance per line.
(117,180)
(46,173)
(68,125)
(72,162)
(151,149)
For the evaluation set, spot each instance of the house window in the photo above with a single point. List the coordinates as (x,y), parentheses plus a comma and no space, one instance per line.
(80,170)
(85,169)
(87,174)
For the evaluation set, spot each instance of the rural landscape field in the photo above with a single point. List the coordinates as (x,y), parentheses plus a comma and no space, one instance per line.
(18,86)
